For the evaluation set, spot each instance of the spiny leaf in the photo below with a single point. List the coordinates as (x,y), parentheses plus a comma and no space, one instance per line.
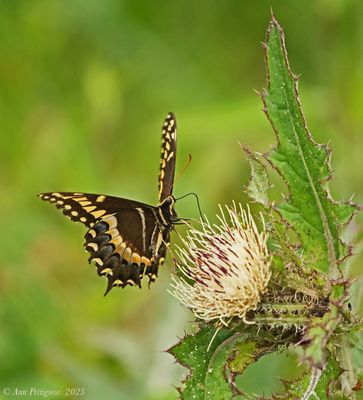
(303,164)
(315,383)
(192,353)
(213,371)
(328,381)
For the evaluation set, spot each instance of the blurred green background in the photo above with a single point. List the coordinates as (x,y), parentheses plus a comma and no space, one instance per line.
(84,88)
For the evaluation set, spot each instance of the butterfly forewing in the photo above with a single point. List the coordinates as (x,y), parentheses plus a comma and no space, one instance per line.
(86,207)
(126,239)
(168,157)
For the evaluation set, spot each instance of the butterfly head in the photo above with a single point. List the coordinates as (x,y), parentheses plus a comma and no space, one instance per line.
(166,210)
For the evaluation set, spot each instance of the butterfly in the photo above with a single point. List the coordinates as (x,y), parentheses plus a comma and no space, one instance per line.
(127,239)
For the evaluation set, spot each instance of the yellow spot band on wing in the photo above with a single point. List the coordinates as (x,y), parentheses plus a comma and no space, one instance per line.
(145,260)
(127,254)
(99,213)
(93,246)
(89,209)
(98,261)
(92,232)
(170,156)
(116,241)
(121,248)
(135,258)
(111,221)
(107,271)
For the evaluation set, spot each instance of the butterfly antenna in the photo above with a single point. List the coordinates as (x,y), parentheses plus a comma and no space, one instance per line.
(183,169)
(197,199)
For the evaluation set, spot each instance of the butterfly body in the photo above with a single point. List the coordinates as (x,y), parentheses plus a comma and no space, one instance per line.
(126,239)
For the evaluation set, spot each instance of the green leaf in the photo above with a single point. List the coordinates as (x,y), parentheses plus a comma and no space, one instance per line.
(303,164)
(192,353)
(213,364)
(258,184)
(315,383)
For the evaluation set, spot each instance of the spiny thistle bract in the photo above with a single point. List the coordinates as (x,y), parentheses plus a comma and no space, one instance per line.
(224,268)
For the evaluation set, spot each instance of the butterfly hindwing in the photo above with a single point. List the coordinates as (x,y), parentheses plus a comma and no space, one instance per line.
(168,157)
(124,246)
(124,237)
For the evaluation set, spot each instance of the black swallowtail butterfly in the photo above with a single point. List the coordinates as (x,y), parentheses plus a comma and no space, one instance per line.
(127,239)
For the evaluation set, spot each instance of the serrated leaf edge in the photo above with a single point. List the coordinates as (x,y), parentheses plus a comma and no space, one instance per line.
(332,257)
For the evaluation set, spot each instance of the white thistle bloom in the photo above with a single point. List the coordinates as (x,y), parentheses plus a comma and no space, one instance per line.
(225,269)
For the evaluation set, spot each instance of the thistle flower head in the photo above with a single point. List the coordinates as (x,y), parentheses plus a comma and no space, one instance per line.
(224,268)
